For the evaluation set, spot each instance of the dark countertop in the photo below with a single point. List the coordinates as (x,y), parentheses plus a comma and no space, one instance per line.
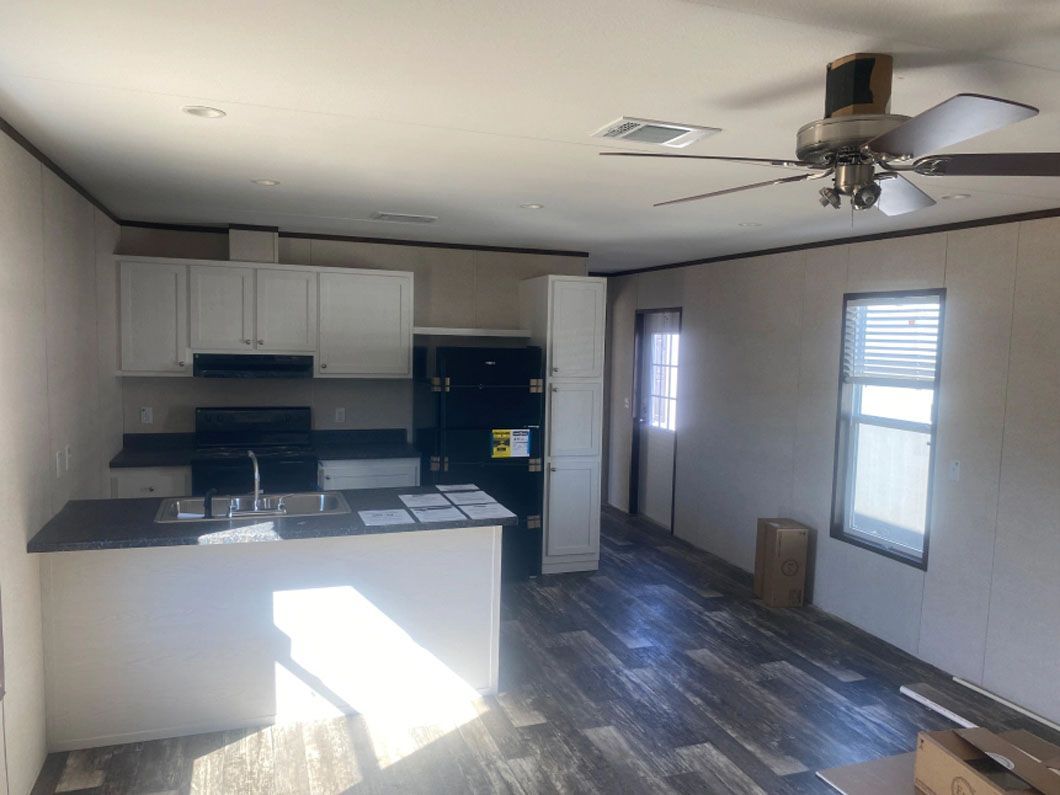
(176,449)
(125,524)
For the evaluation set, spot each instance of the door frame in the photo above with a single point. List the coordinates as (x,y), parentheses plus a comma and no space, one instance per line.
(638,386)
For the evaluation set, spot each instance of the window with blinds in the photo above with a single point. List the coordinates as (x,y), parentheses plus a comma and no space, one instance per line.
(887,419)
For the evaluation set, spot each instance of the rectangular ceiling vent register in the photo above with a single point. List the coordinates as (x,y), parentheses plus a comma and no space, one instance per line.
(648,131)
(404,218)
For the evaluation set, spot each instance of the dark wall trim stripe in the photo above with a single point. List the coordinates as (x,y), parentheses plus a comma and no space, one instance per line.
(924,230)
(26,144)
(427,244)
(253,228)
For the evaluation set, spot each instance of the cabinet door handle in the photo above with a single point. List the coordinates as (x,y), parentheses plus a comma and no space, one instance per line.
(555,369)
(551,469)
(555,389)
(323,367)
(247,342)
(180,364)
(261,342)
(149,489)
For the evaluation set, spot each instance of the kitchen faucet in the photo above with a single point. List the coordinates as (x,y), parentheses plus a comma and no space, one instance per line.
(257,480)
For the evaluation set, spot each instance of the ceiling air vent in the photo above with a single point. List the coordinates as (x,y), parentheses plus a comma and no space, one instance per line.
(404,218)
(647,131)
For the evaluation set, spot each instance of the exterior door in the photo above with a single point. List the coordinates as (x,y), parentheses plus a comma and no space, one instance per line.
(221,308)
(656,421)
(576,318)
(286,310)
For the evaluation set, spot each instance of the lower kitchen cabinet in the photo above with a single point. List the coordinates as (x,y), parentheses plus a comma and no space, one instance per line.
(572,526)
(150,482)
(376,473)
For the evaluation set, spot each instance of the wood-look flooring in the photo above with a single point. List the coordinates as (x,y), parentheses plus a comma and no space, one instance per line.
(658,673)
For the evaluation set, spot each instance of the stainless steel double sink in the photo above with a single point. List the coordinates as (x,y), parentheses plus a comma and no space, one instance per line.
(241,506)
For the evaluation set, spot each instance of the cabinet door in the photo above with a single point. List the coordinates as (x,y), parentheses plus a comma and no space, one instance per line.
(150,482)
(154,318)
(576,328)
(365,325)
(575,418)
(286,310)
(221,308)
(573,519)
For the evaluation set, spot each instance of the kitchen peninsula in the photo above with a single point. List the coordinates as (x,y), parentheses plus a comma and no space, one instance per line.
(156,629)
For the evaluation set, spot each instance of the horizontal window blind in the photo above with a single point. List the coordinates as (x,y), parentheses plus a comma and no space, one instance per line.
(891,341)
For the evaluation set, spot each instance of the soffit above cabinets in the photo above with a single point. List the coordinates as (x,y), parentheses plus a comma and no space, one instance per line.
(467,112)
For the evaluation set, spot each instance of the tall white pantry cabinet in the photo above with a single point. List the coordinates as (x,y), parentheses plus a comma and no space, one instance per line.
(565,316)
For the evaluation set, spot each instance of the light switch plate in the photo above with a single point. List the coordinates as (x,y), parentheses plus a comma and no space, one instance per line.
(147,415)
(340,415)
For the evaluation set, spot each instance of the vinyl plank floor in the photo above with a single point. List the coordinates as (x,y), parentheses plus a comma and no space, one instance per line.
(659,673)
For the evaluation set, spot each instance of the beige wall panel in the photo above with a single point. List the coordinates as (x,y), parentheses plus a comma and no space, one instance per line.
(497,277)
(739,457)
(822,310)
(661,289)
(903,263)
(111,418)
(294,250)
(980,277)
(70,314)
(622,307)
(368,403)
(26,481)
(1023,646)
(173,243)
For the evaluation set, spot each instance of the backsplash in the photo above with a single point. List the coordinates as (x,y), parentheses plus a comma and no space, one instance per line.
(367,403)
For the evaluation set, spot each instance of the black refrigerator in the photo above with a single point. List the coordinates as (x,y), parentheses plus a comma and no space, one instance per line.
(479,418)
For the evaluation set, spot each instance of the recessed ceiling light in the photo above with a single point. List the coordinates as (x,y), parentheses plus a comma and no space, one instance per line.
(532,206)
(267,183)
(748,223)
(957,196)
(204,111)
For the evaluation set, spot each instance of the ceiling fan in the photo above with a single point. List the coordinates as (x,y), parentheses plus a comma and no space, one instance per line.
(864,149)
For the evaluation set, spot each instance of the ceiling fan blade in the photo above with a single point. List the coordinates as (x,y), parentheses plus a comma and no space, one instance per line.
(957,119)
(759,161)
(899,196)
(796,178)
(1009,164)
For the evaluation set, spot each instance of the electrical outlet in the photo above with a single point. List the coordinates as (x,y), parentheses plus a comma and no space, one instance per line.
(66,458)
(58,463)
(340,415)
(147,415)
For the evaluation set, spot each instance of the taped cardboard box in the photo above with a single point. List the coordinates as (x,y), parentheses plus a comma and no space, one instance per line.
(780,562)
(978,762)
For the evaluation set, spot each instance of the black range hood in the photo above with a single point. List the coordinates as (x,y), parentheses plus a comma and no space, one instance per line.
(246,365)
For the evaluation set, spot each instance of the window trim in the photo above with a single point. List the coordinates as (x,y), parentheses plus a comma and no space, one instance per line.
(837,522)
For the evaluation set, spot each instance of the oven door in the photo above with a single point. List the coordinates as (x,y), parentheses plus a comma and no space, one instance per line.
(236,476)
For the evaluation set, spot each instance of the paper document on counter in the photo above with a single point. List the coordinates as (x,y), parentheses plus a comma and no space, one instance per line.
(469,497)
(489,510)
(424,500)
(449,514)
(379,518)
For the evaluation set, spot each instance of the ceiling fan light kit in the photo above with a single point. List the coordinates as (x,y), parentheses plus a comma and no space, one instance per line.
(865,149)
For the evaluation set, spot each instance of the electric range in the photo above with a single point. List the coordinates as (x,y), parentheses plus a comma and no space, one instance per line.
(278,435)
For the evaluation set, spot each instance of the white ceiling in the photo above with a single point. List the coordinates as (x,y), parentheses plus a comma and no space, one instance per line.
(465,110)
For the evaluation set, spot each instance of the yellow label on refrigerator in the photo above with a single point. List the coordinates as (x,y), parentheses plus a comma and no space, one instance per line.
(511,443)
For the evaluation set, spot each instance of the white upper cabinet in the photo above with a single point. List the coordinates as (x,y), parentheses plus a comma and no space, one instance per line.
(286,310)
(576,333)
(365,324)
(154,318)
(221,308)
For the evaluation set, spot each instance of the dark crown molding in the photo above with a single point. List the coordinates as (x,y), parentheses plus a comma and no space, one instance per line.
(841,241)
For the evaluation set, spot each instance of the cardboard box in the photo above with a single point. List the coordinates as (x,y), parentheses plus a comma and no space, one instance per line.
(979,762)
(780,562)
